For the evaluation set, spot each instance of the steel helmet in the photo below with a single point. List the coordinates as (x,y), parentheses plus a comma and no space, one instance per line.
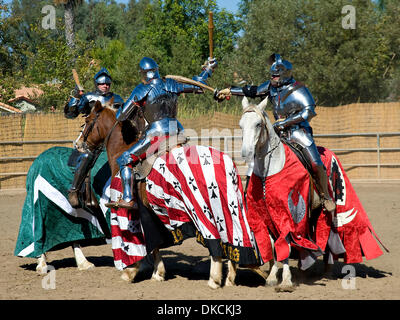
(103,76)
(148,69)
(280,70)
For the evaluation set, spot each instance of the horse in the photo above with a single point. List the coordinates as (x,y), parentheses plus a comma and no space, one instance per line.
(48,221)
(278,175)
(106,129)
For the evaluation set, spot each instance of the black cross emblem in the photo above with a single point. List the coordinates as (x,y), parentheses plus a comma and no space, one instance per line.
(162,167)
(179,157)
(219,222)
(191,182)
(177,186)
(125,248)
(233,207)
(212,187)
(205,156)
(233,176)
(207,211)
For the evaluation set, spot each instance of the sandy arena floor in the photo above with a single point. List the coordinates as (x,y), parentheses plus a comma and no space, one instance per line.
(188,266)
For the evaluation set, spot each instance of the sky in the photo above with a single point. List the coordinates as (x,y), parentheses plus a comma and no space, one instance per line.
(230,5)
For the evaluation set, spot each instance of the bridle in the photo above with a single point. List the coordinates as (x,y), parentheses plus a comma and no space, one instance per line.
(92,147)
(263,116)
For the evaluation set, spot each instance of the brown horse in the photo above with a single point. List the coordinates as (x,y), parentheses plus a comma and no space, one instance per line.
(102,127)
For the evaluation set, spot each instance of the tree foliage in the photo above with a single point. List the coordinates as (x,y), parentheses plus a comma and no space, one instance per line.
(338,65)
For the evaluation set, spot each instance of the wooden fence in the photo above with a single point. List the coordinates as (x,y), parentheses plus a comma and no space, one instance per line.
(364,136)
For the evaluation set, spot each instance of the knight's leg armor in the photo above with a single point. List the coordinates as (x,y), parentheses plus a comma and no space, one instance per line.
(319,174)
(129,158)
(85,163)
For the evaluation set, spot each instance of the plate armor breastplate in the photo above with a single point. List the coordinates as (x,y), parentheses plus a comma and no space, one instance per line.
(93,97)
(290,99)
(161,100)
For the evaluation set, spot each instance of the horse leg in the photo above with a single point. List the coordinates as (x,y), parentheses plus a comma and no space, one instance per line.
(272,279)
(41,267)
(230,278)
(80,259)
(215,280)
(159,268)
(130,272)
(286,284)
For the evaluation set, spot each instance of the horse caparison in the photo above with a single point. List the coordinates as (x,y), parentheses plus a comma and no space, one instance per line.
(117,137)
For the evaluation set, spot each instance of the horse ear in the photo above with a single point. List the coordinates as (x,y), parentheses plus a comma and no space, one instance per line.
(110,102)
(245,102)
(98,106)
(263,104)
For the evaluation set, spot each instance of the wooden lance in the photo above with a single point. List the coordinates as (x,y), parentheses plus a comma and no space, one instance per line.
(210,33)
(76,79)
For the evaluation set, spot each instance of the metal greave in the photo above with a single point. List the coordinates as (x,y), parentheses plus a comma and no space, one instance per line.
(86,162)
(127,183)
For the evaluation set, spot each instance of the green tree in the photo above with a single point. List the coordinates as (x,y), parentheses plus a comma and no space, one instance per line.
(338,65)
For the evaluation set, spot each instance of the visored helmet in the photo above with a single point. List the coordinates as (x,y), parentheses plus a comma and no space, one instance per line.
(103,76)
(148,69)
(280,71)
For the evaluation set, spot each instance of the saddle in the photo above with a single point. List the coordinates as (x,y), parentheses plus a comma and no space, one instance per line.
(143,168)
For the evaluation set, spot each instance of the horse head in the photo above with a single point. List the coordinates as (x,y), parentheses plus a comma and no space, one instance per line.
(253,124)
(98,124)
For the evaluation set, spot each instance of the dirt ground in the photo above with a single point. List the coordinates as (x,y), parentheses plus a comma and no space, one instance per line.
(188,266)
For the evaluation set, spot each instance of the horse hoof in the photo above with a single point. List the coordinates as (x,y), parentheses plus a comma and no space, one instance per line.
(229,283)
(271,283)
(85,266)
(213,285)
(287,287)
(41,269)
(129,275)
(126,277)
(157,277)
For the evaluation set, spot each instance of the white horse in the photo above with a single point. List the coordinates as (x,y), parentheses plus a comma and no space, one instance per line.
(261,143)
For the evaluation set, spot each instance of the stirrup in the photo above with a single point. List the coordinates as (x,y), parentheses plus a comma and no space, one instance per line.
(73,198)
(122,204)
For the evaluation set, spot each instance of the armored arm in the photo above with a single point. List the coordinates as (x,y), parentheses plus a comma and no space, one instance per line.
(207,70)
(304,115)
(126,110)
(302,97)
(137,96)
(248,91)
(75,106)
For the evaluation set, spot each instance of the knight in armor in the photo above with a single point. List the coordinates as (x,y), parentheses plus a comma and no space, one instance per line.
(82,104)
(293,108)
(157,98)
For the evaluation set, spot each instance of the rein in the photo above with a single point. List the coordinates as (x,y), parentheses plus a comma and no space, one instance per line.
(89,130)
